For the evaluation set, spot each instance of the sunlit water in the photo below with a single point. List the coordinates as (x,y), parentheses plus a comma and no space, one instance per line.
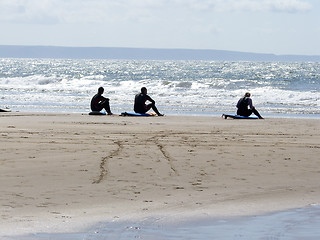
(179,87)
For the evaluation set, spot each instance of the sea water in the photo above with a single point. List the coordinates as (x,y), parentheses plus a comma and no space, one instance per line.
(178,87)
(296,224)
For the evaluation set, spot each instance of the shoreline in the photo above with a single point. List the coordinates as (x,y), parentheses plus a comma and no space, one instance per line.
(64,172)
(183,114)
(301,223)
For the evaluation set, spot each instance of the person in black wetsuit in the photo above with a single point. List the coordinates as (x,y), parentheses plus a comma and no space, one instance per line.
(140,105)
(98,102)
(243,109)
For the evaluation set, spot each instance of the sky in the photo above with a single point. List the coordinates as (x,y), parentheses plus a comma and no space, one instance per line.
(260,26)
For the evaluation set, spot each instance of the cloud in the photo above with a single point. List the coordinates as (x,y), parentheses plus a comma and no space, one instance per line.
(75,11)
(251,5)
(280,5)
(288,6)
(101,11)
(28,11)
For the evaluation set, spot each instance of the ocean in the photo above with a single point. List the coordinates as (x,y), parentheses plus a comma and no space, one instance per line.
(279,89)
(295,224)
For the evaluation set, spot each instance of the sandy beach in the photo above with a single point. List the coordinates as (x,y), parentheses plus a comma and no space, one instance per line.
(65,172)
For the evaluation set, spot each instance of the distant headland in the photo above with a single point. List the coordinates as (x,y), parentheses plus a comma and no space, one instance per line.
(15,51)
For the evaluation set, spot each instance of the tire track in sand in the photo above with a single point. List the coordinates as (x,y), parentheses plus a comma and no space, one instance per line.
(166,155)
(104,163)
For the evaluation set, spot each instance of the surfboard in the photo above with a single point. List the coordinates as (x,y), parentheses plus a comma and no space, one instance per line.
(5,110)
(225,116)
(97,113)
(137,114)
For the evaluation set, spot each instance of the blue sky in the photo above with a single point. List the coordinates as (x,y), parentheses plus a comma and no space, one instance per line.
(262,26)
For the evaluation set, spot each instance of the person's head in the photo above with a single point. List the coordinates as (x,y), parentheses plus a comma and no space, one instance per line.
(144,90)
(100,90)
(247,94)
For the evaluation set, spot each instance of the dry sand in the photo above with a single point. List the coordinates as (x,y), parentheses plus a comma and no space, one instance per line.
(61,172)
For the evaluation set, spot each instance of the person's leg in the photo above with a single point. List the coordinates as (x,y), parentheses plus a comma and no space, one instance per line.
(154,108)
(255,111)
(105,104)
(148,107)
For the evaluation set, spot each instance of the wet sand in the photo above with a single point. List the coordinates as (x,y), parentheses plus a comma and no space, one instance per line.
(66,172)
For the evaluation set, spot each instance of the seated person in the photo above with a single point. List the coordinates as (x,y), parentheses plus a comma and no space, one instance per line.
(140,105)
(98,102)
(243,109)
